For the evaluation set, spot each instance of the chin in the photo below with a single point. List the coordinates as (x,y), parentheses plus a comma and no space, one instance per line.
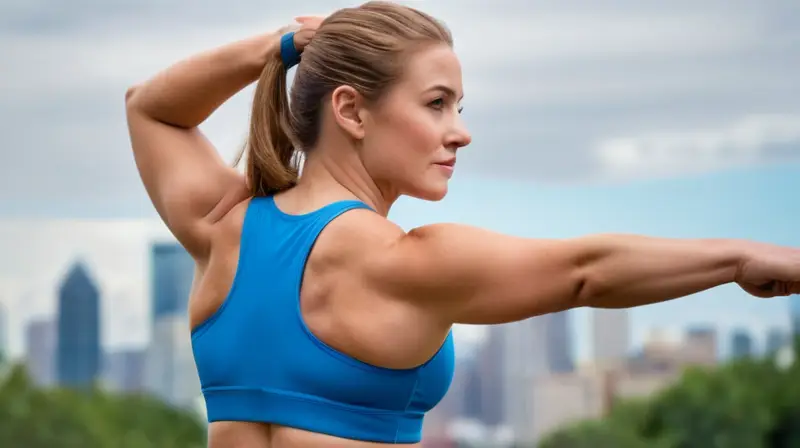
(431,193)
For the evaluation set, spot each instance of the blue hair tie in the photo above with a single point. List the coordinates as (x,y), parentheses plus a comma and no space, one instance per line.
(289,54)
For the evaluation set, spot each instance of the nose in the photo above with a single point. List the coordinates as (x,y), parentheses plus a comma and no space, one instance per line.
(459,136)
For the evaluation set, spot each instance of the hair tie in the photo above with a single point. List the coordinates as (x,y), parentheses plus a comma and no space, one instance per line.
(289,54)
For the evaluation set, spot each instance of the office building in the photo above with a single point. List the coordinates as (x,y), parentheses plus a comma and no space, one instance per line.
(559,343)
(78,353)
(40,351)
(610,336)
(741,344)
(172,272)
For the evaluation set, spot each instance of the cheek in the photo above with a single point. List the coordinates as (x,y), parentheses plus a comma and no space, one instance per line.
(414,133)
(401,143)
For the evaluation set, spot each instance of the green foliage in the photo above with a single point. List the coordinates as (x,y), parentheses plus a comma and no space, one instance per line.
(35,418)
(745,404)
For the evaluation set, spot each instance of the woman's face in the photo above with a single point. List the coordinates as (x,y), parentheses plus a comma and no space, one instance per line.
(414,131)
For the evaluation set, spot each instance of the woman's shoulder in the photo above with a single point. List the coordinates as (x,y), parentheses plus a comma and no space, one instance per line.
(360,230)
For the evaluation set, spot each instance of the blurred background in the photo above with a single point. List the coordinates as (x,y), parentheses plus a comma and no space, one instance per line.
(677,119)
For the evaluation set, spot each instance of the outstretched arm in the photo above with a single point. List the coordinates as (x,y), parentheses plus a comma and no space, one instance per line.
(189,184)
(470,275)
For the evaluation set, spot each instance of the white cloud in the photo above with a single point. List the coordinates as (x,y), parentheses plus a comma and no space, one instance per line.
(750,140)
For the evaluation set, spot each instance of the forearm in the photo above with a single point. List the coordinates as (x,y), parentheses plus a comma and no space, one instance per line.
(187,93)
(620,271)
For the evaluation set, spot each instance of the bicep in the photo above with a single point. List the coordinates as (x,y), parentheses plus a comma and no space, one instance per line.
(475,276)
(184,176)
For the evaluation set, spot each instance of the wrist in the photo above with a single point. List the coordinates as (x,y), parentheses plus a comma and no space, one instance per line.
(264,48)
(732,254)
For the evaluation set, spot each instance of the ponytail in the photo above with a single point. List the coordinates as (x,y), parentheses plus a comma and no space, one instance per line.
(271,164)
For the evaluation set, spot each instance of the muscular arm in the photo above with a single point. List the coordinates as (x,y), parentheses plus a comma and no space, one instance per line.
(188,182)
(470,275)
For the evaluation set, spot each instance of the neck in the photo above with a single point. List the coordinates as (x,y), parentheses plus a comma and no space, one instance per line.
(335,178)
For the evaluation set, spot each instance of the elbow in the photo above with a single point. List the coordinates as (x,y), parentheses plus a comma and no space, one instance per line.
(130,96)
(584,291)
(589,286)
(588,278)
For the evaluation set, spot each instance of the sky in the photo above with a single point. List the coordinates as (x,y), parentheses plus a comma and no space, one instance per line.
(677,120)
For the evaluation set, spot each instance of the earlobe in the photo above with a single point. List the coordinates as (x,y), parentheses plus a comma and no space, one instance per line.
(346,103)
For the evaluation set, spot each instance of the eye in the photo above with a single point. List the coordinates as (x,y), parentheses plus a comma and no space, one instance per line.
(438,103)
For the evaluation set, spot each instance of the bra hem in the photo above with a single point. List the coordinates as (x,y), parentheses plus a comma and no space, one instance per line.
(296,410)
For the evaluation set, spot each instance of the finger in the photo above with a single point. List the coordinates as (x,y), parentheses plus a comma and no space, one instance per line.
(311,20)
(289,28)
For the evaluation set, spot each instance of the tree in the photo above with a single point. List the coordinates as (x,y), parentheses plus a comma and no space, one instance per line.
(747,404)
(39,418)
(594,434)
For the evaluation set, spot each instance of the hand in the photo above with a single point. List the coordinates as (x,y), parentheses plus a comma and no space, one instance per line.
(769,271)
(308,27)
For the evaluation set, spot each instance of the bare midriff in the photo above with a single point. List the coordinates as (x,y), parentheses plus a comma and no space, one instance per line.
(260,435)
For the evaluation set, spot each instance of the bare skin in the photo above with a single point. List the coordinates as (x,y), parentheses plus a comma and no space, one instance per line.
(367,280)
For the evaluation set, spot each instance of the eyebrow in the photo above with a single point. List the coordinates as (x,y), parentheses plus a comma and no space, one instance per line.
(446,90)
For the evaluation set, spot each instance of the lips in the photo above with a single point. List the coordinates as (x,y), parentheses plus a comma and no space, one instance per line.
(450,163)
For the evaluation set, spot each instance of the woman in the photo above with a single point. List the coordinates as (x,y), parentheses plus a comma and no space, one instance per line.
(316,322)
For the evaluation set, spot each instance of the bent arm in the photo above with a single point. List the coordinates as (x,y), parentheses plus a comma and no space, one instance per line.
(470,275)
(189,184)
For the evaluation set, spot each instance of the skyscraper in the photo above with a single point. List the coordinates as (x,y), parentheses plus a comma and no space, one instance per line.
(490,375)
(170,370)
(40,351)
(741,344)
(700,347)
(559,343)
(524,359)
(78,353)
(169,366)
(794,312)
(123,371)
(610,336)
(172,274)
(776,339)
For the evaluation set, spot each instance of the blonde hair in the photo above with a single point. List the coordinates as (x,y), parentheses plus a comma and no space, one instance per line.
(363,47)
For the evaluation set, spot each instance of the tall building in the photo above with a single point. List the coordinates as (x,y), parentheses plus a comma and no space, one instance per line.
(170,372)
(776,339)
(610,336)
(741,344)
(40,351)
(123,371)
(700,346)
(78,353)
(794,312)
(559,343)
(172,274)
(524,360)
(489,374)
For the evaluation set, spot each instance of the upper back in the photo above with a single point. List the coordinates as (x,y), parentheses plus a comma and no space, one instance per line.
(259,360)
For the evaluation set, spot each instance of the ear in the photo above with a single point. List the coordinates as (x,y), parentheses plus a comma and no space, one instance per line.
(347,103)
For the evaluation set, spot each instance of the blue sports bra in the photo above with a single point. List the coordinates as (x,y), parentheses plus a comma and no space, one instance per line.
(258,362)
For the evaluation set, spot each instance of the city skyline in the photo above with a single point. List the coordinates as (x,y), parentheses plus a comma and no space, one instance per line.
(66,349)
